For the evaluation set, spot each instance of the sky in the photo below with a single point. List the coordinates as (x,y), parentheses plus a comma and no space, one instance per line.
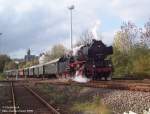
(41,24)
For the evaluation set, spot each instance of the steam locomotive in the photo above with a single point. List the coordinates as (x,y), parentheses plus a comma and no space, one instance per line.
(90,60)
(93,61)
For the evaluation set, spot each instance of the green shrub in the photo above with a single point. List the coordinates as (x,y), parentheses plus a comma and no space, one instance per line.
(135,63)
(2,76)
(94,107)
(141,65)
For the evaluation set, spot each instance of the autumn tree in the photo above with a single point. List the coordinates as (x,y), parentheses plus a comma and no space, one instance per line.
(3,60)
(10,65)
(85,38)
(126,37)
(56,52)
(25,64)
(130,57)
(145,34)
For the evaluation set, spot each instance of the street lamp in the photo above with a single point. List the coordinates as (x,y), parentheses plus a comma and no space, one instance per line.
(71,8)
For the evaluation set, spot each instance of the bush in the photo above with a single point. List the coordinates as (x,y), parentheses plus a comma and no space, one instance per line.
(136,63)
(141,66)
(2,76)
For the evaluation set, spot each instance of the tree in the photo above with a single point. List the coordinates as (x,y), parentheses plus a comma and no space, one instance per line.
(141,60)
(28,63)
(10,65)
(85,38)
(145,37)
(125,39)
(56,52)
(130,57)
(3,60)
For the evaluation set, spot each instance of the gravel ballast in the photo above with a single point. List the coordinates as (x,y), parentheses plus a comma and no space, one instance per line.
(124,101)
(118,101)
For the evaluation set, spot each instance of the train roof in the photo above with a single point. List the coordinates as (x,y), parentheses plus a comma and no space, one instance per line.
(53,61)
(11,70)
(39,65)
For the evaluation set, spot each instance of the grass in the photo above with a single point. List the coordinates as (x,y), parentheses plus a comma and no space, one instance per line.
(94,107)
(59,95)
(2,77)
(56,95)
(75,99)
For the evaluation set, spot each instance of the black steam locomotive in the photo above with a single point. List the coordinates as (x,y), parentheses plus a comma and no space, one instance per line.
(91,60)
(94,61)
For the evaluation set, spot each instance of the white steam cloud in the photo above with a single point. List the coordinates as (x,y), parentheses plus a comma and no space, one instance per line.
(94,29)
(76,49)
(80,78)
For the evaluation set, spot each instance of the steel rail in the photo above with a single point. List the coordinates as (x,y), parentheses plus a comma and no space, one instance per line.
(51,108)
(13,98)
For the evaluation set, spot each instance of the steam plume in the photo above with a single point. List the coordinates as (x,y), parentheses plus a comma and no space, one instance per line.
(94,29)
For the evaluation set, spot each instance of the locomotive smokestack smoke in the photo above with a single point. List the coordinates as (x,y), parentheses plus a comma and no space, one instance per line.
(76,49)
(94,29)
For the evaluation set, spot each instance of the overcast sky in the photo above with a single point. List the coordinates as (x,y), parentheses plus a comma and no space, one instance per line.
(40,24)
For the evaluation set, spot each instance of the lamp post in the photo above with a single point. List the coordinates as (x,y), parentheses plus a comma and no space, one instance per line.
(71,8)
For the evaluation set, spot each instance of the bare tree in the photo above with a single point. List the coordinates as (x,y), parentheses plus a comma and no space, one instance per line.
(85,38)
(145,37)
(125,39)
(10,65)
(56,52)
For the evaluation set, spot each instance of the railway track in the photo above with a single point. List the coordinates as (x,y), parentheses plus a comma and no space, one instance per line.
(6,99)
(132,85)
(26,101)
(114,84)
(121,86)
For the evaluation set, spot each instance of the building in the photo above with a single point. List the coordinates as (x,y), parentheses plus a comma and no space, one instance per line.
(30,57)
